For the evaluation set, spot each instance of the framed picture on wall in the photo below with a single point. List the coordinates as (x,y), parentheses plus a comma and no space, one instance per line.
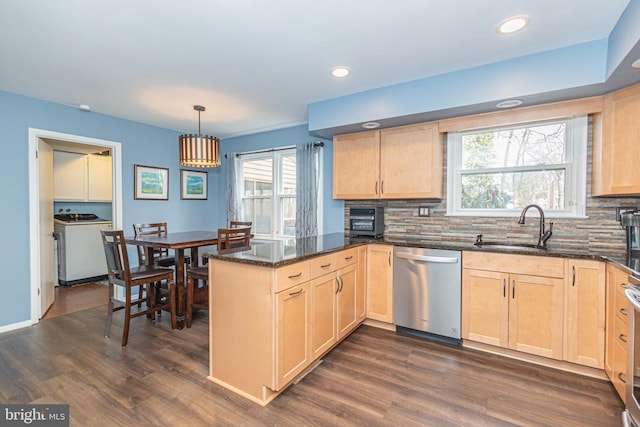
(151,183)
(193,185)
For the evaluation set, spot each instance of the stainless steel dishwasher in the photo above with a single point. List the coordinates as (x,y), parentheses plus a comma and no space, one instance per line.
(427,288)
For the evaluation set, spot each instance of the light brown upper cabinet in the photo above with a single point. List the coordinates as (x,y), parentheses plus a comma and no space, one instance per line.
(616,147)
(397,163)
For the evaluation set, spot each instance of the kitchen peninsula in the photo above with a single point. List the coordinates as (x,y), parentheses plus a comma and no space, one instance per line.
(278,307)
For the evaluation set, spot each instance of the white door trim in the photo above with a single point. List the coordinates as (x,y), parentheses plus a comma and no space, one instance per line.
(34,223)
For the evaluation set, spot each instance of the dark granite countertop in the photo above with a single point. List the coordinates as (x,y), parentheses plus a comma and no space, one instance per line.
(277,253)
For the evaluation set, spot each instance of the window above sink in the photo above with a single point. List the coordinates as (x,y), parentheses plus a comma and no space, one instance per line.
(499,171)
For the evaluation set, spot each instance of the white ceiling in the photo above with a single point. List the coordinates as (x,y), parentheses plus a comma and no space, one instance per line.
(257,64)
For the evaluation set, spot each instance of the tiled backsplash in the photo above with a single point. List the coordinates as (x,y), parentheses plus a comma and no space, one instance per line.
(600,232)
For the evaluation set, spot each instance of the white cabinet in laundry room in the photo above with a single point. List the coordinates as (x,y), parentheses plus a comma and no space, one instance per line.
(69,176)
(81,177)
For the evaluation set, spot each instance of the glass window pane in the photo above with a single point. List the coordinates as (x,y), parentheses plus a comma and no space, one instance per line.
(258,177)
(288,174)
(514,190)
(258,211)
(288,215)
(526,146)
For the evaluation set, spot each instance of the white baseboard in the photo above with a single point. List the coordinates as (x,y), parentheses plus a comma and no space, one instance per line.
(14,326)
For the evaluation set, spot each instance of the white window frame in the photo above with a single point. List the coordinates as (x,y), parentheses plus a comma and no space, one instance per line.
(575,175)
(276,196)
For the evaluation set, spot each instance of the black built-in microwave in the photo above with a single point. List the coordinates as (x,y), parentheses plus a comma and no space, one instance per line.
(366,221)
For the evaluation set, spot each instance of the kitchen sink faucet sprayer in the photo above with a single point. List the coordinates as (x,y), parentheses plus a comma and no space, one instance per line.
(543,235)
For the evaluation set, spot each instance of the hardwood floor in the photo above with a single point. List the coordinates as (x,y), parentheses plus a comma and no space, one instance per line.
(373,378)
(77,298)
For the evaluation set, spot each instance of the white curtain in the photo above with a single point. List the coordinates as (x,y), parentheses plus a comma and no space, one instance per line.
(307,182)
(234,186)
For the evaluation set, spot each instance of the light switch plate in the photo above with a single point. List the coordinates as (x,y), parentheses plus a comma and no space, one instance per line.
(423,211)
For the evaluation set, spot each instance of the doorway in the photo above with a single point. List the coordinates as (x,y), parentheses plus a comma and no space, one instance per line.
(39,236)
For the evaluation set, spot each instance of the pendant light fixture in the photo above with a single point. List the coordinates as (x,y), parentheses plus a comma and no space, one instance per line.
(199,150)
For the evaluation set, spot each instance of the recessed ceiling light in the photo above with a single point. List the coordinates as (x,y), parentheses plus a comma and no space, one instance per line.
(371,125)
(513,24)
(340,72)
(636,63)
(509,103)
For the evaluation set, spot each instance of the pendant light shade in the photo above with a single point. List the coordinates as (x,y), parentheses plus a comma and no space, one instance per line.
(200,151)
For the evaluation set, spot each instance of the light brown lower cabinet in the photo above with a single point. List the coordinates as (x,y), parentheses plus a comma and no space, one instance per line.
(347,300)
(617,315)
(380,283)
(267,326)
(292,341)
(585,312)
(516,311)
(324,313)
(538,305)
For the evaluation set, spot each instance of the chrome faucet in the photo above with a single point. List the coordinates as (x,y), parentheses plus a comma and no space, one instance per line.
(543,235)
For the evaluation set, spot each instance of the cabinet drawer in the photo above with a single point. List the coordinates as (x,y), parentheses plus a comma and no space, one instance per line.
(291,275)
(619,370)
(620,284)
(323,265)
(620,331)
(347,257)
(621,308)
(519,264)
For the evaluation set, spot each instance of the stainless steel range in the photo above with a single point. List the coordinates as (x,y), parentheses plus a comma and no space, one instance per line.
(80,253)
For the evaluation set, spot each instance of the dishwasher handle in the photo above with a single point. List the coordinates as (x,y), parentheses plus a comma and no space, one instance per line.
(427,258)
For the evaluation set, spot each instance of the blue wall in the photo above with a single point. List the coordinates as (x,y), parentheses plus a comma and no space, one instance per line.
(141,144)
(333,210)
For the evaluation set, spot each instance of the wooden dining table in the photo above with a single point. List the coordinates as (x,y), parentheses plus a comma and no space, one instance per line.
(178,242)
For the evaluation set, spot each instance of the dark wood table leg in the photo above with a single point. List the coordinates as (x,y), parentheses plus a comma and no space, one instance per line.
(181,303)
(195,259)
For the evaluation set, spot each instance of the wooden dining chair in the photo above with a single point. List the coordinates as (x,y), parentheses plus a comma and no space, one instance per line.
(161,257)
(229,240)
(148,276)
(233,237)
(232,224)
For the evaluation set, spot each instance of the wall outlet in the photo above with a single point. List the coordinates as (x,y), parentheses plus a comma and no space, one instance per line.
(423,211)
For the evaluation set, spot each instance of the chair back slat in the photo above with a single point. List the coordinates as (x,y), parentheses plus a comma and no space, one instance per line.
(236,224)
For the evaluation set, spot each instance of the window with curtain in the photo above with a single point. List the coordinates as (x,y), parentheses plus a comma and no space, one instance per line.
(268,196)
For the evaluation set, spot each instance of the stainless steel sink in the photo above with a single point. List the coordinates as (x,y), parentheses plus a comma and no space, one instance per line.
(511,246)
